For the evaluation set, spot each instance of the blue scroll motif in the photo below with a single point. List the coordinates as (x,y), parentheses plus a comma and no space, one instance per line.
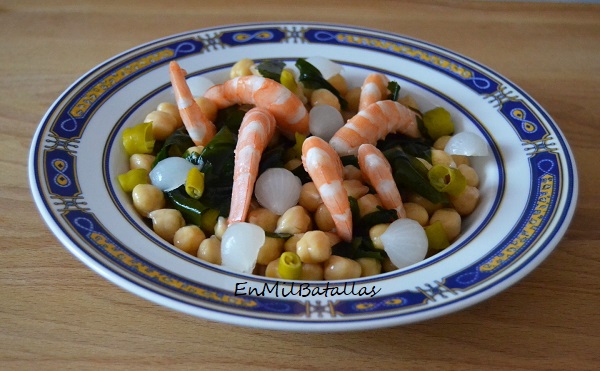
(236,38)
(542,204)
(96,235)
(60,170)
(523,120)
(473,79)
(379,303)
(70,123)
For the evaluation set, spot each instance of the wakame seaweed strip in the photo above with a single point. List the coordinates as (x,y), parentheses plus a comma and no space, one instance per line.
(218,165)
(312,78)
(271,69)
(191,209)
(174,146)
(411,174)
(417,147)
(394,88)
(231,117)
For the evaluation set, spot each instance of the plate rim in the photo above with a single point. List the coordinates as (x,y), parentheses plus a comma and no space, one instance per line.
(359,324)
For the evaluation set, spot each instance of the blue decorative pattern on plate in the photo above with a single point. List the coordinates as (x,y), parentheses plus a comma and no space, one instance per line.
(528,182)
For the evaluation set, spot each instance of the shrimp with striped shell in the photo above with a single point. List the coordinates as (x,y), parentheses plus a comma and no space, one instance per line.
(378,172)
(256,130)
(374,123)
(373,89)
(200,128)
(289,111)
(318,213)
(325,168)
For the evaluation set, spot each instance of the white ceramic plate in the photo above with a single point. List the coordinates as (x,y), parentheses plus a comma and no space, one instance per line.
(528,182)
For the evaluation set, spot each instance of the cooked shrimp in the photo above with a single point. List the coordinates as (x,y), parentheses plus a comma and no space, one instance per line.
(256,130)
(378,172)
(325,168)
(373,89)
(288,109)
(200,129)
(374,123)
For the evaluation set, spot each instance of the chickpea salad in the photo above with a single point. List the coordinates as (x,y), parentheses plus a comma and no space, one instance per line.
(357,181)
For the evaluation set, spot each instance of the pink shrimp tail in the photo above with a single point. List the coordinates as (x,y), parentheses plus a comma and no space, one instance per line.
(378,171)
(200,128)
(373,89)
(374,123)
(256,130)
(325,168)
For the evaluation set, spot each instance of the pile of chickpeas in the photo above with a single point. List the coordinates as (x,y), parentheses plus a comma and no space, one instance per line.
(309,222)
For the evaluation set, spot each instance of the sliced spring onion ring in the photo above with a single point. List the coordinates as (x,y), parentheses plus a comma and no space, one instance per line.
(138,139)
(290,266)
(447,179)
(194,183)
(133,177)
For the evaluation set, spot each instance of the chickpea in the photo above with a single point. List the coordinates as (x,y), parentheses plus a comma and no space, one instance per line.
(312,272)
(450,220)
(314,247)
(264,218)
(294,220)
(339,83)
(188,238)
(272,270)
(460,160)
(340,268)
(147,198)
(324,96)
(254,70)
(323,218)
(310,198)
(166,222)
(220,227)
(171,109)
(208,108)
(416,212)
(351,172)
(369,266)
(141,161)
(439,157)
(466,201)
(428,205)
(241,68)
(355,188)
(387,265)
(353,98)
(470,175)
(259,270)
(441,142)
(293,164)
(306,92)
(270,250)
(408,101)
(210,250)
(368,204)
(375,234)
(163,124)
(291,243)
